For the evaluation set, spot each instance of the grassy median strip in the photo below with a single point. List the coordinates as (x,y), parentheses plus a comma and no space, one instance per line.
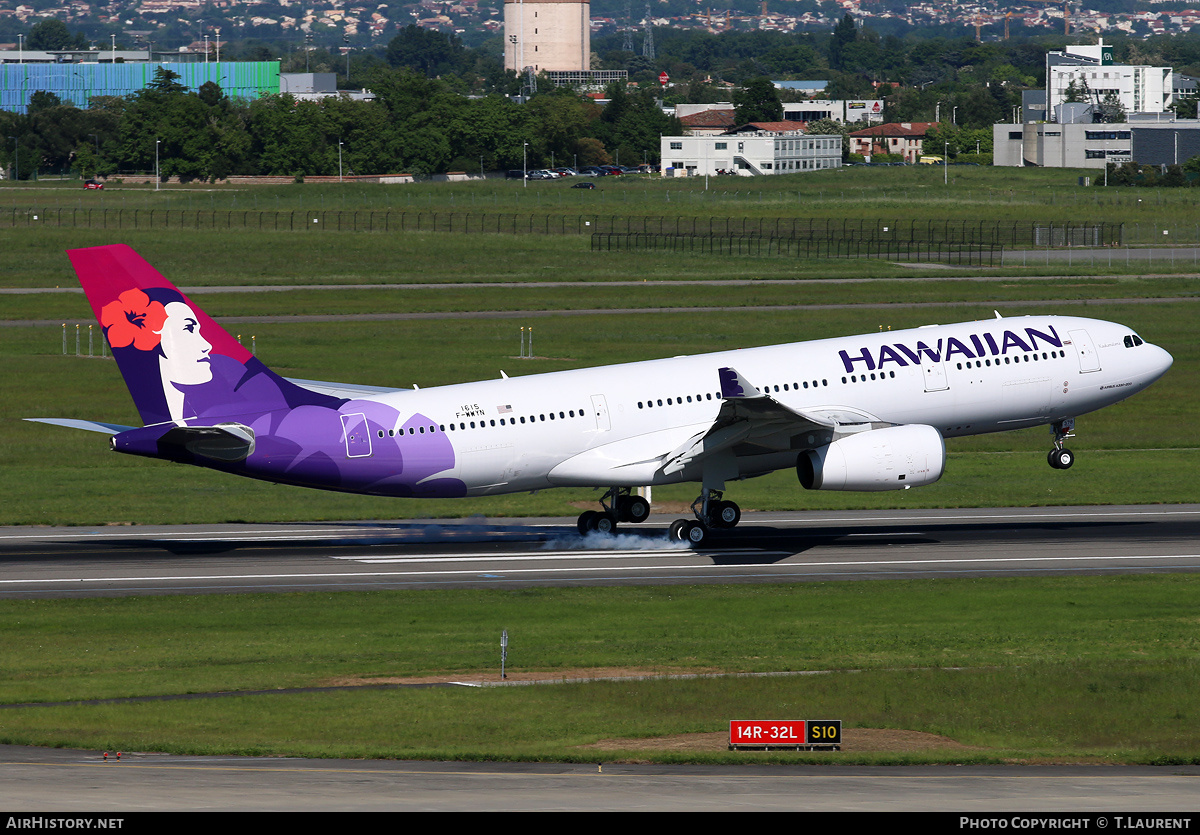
(1070,668)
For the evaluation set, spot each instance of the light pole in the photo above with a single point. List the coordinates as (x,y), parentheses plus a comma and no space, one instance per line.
(16,160)
(525,164)
(157,176)
(339,160)
(954,115)
(946,164)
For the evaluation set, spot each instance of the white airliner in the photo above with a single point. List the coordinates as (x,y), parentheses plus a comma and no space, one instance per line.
(865,412)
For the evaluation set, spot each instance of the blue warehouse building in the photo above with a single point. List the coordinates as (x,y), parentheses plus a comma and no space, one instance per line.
(76,83)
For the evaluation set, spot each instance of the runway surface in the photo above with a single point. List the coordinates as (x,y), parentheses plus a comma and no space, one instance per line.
(44,780)
(476,553)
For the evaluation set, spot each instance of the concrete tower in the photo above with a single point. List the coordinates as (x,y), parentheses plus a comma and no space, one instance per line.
(551,35)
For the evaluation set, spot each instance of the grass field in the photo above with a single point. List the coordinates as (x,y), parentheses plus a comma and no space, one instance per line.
(1068,654)
(1092,669)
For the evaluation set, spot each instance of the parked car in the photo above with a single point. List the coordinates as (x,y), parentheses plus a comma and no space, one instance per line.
(584,184)
(515,174)
(93,184)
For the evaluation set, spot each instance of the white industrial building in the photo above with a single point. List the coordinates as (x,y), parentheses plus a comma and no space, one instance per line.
(1075,138)
(1084,145)
(1140,89)
(755,149)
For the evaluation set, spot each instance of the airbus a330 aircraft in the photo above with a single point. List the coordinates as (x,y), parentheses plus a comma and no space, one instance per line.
(867,412)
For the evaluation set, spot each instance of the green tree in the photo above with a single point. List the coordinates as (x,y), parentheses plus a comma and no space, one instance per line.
(42,100)
(1111,109)
(426,51)
(52,35)
(844,35)
(757,101)
(630,125)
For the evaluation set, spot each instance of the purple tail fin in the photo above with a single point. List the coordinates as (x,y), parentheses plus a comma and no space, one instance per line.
(178,363)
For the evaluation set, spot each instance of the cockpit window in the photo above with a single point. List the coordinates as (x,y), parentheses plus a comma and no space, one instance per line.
(1132,340)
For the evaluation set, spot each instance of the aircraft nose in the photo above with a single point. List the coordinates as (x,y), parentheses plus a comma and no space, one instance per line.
(1160,361)
(1164,361)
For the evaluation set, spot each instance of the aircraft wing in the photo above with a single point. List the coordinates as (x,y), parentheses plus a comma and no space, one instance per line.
(751,417)
(348,390)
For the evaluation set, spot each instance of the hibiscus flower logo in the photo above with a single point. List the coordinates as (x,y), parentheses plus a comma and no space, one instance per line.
(133,320)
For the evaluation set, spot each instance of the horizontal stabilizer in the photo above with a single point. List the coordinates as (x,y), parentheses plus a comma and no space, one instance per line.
(89,425)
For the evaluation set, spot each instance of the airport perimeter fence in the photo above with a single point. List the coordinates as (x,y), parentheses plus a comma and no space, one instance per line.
(915,251)
(947,231)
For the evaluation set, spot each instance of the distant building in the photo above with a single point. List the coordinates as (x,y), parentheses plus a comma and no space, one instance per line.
(904,138)
(312,86)
(552,35)
(702,119)
(76,83)
(1090,67)
(1083,145)
(839,110)
(757,148)
(1076,136)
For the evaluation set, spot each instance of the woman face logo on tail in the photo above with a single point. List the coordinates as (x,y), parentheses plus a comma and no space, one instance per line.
(166,331)
(185,351)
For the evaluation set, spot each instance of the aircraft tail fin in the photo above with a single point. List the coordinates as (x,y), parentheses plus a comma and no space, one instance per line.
(178,363)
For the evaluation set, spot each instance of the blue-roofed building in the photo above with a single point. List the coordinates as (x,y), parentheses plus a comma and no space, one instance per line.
(76,83)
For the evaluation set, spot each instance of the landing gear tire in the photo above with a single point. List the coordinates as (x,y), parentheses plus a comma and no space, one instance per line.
(728,514)
(633,509)
(688,532)
(592,520)
(586,522)
(1061,459)
(675,532)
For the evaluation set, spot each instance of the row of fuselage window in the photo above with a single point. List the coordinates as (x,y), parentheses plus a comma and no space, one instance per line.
(1015,359)
(482,424)
(676,401)
(679,401)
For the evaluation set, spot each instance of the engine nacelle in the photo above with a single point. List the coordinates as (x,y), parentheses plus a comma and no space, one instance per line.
(878,459)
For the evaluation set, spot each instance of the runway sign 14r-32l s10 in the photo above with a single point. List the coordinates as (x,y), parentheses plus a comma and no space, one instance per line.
(781,733)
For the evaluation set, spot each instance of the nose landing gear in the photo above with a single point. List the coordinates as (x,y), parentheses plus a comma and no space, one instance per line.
(1061,458)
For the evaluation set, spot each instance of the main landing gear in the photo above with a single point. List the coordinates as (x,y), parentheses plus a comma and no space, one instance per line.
(1061,458)
(620,505)
(711,513)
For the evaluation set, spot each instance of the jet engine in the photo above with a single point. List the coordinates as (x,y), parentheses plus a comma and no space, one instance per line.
(893,458)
